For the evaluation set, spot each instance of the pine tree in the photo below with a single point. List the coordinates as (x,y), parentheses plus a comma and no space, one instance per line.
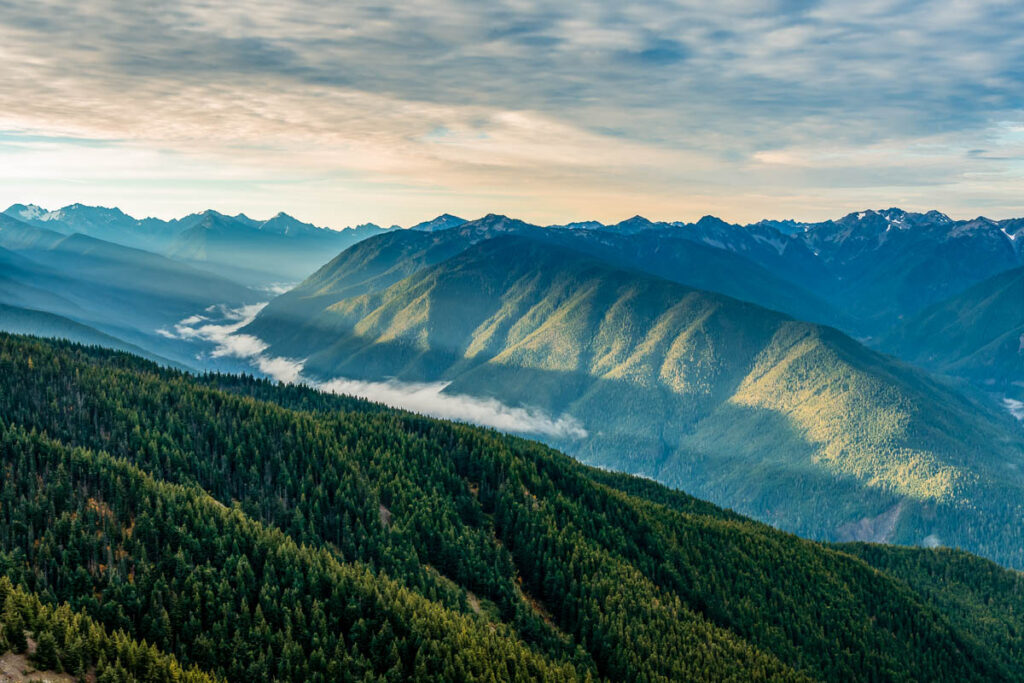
(45,657)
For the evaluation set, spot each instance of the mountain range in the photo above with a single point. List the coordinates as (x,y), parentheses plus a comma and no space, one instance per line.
(280,249)
(877,266)
(739,363)
(98,274)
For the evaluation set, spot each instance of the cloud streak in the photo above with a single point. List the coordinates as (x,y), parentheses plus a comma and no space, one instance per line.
(219,326)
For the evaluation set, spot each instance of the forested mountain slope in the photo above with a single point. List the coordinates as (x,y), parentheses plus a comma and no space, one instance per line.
(978,334)
(732,402)
(262,532)
(60,641)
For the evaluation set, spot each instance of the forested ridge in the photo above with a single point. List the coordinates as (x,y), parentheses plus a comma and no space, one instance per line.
(242,530)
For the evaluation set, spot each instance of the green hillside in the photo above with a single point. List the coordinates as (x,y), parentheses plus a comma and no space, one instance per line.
(261,532)
(978,334)
(724,399)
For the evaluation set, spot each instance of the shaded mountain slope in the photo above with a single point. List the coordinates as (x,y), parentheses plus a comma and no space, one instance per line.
(429,550)
(15,234)
(978,334)
(876,266)
(727,400)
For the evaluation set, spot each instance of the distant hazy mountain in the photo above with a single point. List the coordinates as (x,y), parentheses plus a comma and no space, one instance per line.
(722,398)
(282,248)
(15,234)
(977,334)
(254,252)
(27,283)
(120,291)
(110,224)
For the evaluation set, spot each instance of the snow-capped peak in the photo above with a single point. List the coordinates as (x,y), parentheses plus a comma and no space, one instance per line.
(27,212)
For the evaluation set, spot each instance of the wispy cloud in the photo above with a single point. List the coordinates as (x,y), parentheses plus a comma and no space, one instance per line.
(551,111)
(219,326)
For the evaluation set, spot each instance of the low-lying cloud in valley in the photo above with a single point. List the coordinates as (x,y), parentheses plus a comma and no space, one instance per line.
(220,325)
(1015,407)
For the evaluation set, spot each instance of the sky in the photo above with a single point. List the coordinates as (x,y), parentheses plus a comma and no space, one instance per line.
(346,112)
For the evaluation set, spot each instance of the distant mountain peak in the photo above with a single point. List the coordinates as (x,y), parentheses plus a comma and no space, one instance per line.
(938,216)
(442,222)
(895,217)
(710,220)
(211,215)
(286,224)
(493,220)
(27,212)
(633,225)
(581,225)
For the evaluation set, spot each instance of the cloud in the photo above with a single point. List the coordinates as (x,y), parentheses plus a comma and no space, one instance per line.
(220,327)
(1015,407)
(553,110)
(427,398)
